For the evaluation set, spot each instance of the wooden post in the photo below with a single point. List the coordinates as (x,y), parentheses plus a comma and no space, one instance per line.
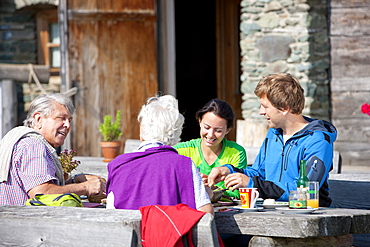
(9,75)
(8,103)
(64,67)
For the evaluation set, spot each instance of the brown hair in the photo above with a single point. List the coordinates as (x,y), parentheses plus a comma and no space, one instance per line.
(283,91)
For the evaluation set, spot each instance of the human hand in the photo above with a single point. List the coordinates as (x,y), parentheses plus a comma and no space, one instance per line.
(204,178)
(209,191)
(217,175)
(95,185)
(236,180)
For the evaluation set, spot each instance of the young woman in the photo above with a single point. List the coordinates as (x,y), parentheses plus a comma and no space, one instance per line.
(216,119)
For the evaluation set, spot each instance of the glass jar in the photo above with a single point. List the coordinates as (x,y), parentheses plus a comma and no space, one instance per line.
(298,199)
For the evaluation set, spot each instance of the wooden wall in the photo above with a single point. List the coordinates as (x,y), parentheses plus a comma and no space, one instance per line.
(350,78)
(112,61)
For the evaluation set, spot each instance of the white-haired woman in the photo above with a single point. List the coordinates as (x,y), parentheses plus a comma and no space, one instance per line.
(156,173)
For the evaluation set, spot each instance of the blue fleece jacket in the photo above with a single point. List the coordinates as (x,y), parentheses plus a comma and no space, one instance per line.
(276,168)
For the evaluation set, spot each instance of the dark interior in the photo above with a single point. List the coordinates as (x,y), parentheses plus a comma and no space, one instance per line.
(195,60)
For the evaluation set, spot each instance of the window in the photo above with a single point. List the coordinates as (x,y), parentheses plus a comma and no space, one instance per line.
(48,51)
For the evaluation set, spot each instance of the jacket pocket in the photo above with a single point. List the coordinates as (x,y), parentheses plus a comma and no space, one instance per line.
(315,169)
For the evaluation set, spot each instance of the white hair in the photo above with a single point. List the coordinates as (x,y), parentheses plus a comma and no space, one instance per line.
(45,105)
(161,120)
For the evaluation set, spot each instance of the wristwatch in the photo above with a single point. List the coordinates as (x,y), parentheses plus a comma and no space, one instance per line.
(73,178)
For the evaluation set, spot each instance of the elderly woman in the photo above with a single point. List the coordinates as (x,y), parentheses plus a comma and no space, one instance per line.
(156,173)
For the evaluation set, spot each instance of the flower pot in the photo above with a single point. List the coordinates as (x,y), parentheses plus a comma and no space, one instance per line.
(110,150)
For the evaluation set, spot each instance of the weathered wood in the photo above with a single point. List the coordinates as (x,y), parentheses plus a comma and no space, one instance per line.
(21,72)
(70,226)
(354,152)
(348,4)
(113,63)
(347,190)
(64,226)
(350,76)
(349,130)
(342,83)
(64,61)
(8,106)
(131,144)
(338,241)
(350,21)
(323,222)
(81,15)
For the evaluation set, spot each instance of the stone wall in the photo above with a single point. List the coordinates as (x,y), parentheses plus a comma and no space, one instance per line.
(284,36)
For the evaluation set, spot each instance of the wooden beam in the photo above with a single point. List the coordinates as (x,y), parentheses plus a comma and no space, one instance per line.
(8,106)
(21,72)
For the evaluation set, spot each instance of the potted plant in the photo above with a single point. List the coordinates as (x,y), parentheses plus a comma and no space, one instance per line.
(111,132)
(67,162)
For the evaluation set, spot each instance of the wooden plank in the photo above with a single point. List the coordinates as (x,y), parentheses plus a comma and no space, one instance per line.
(349,49)
(115,69)
(349,193)
(348,104)
(354,153)
(8,106)
(346,84)
(66,226)
(352,21)
(21,72)
(347,4)
(111,5)
(72,226)
(80,15)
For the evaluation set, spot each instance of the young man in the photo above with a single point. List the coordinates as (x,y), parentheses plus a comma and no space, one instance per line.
(29,164)
(291,138)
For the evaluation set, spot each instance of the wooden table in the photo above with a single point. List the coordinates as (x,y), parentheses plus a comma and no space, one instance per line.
(323,226)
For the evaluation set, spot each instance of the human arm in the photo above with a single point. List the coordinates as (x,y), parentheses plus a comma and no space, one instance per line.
(208,208)
(276,173)
(217,175)
(201,192)
(85,185)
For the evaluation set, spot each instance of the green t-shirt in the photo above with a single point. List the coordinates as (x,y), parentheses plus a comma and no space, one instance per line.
(231,153)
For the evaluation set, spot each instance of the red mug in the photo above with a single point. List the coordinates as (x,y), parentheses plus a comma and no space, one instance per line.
(248,197)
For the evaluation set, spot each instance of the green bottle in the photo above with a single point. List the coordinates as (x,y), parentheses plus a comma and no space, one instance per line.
(302,182)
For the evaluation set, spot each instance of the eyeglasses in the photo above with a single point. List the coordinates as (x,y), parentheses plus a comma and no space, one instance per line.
(150,100)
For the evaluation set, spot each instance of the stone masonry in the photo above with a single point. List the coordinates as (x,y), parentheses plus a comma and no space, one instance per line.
(286,36)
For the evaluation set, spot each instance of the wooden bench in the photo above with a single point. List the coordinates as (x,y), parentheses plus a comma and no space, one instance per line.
(350,190)
(131,145)
(68,226)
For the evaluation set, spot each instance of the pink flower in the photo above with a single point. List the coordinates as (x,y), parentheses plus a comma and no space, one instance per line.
(365,109)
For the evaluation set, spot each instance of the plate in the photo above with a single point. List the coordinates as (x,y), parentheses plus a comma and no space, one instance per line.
(239,208)
(296,210)
(275,205)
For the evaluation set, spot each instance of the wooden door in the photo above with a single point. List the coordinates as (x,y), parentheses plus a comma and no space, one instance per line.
(112,61)
(207,58)
(228,56)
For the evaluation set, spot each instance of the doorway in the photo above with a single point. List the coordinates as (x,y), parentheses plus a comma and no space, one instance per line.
(195,59)
(207,58)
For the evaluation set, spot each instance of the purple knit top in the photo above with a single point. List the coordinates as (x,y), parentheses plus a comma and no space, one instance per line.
(159,175)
